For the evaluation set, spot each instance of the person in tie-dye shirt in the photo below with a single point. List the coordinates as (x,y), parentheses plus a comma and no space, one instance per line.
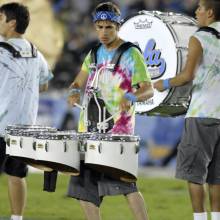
(198,159)
(119,89)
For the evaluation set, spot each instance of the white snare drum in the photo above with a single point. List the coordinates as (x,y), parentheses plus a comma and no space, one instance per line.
(115,155)
(163,38)
(58,151)
(20,138)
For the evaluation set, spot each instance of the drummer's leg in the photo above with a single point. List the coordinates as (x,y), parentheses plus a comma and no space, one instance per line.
(92,212)
(16,171)
(137,205)
(17,191)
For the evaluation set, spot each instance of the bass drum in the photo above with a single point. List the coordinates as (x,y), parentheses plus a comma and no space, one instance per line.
(163,38)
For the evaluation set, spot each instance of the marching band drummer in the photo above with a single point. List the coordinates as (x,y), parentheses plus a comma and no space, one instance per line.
(198,158)
(23,73)
(117,90)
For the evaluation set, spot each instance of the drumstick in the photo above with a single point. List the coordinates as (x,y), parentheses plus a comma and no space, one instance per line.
(108,119)
(79,106)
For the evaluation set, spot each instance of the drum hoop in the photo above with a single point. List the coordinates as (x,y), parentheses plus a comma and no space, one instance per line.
(26,126)
(60,135)
(51,138)
(24,133)
(114,137)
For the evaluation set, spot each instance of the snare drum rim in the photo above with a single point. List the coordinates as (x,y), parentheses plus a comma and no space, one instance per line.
(29,131)
(58,135)
(114,137)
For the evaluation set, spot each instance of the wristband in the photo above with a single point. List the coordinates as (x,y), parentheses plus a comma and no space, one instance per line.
(166,84)
(131,97)
(73,91)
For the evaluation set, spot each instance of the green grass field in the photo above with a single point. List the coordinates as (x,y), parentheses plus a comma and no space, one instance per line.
(166,199)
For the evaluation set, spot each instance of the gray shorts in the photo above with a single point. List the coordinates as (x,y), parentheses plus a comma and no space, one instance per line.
(198,157)
(92,186)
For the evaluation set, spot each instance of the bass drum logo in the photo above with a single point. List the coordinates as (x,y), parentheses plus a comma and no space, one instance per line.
(155,63)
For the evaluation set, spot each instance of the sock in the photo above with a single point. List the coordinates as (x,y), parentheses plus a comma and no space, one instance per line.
(16,217)
(200,216)
(215,215)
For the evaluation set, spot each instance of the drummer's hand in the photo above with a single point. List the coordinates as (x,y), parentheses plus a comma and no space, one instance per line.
(72,99)
(159,85)
(75,96)
(125,105)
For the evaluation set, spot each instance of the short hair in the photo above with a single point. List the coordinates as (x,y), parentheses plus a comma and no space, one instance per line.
(108,6)
(214,5)
(18,12)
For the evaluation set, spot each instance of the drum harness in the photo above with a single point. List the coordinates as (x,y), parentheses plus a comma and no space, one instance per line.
(211,30)
(95,111)
(19,54)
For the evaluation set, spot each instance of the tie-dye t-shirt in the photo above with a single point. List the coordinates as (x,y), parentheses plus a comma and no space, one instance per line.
(205,102)
(130,71)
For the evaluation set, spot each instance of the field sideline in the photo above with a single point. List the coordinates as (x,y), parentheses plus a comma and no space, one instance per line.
(166,199)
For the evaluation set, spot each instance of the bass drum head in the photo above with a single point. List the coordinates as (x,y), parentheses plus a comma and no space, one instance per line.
(157,43)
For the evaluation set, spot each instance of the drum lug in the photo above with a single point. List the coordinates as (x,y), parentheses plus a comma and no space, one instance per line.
(21,143)
(122,148)
(79,146)
(100,148)
(8,141)
(65,146)
(46,146)
(34,145)
(137,148)
(85,147)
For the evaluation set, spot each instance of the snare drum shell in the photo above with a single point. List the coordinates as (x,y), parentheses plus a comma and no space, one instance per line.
(14,148)
(119,155)
(55,153)
(7,141)
(22,148)
(28,148)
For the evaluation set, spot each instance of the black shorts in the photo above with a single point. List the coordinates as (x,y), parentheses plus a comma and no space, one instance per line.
(92,186)
(198,157)
(10,165)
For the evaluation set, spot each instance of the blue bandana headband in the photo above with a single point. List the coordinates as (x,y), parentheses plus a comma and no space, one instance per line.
(106,16)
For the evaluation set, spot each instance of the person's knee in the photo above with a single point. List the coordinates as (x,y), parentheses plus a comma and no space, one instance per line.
(88,205)
(16,180)
(133,196)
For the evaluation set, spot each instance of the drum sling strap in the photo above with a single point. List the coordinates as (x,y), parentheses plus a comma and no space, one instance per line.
(210,30)
(93,113)
(18,54)
(116,58)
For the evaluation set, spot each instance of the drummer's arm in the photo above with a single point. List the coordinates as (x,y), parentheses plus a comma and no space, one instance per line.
(194,57)
(78,83)
(80,80)
(144,92)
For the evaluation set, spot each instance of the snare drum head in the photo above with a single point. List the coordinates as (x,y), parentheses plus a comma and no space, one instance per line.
(113,137)
(157,41)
